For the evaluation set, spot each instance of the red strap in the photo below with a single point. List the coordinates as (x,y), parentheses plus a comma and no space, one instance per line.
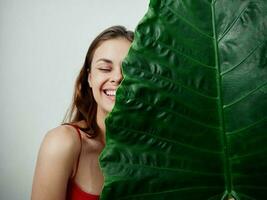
(80,136)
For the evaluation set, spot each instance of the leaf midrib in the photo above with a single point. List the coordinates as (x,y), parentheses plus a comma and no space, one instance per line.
(227,170)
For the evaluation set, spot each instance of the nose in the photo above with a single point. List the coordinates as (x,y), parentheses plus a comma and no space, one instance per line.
(117,76)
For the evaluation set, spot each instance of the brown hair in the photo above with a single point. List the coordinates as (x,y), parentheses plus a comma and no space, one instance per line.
(83,106)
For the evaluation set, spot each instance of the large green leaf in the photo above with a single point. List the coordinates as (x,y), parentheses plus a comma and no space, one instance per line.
(190,120)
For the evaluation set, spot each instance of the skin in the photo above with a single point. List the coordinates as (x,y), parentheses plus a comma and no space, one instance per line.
(106,74)
(60,148)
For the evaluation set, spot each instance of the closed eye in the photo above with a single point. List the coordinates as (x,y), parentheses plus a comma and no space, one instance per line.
(105,69)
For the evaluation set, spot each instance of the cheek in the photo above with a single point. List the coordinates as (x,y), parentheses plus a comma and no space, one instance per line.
(97,81)
(89,79)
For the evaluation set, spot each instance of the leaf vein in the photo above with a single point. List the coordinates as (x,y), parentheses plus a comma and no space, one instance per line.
(245,96)
(246,57)
(247,127)
(232,24)
(249,155)
(171,191)
(179,83)
(189,23)
(181,116)
(167,140)
(186,56)
(166,168)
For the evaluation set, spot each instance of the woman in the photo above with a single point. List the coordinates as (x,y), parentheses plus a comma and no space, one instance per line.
(67,165)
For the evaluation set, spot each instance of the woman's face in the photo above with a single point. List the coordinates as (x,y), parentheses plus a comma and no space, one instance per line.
(106,75)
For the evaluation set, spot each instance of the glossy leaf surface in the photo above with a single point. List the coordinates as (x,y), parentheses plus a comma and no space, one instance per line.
(190,120)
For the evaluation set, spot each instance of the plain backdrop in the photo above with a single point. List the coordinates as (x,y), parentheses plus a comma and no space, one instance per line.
(42,48)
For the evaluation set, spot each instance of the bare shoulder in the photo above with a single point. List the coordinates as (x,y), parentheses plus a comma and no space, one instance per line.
(60,145)
(57,155)
(62,139)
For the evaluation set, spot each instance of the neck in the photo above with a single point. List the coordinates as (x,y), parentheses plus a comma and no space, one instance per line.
(100,120)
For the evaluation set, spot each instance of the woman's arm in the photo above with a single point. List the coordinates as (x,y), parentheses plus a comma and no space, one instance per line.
(57,155)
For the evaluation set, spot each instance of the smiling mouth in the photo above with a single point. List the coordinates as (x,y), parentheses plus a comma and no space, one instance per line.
(110,93)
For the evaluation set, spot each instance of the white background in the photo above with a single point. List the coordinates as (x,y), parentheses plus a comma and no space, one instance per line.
(42,47)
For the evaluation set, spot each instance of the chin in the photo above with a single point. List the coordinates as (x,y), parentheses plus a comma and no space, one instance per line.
(108,108)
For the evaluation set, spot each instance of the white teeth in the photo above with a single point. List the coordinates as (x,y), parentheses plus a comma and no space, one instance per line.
(110,92)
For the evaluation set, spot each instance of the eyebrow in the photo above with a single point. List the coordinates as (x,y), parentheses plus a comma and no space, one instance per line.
(104,60)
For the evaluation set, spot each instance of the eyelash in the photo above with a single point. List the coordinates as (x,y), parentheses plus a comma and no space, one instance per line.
(104,69)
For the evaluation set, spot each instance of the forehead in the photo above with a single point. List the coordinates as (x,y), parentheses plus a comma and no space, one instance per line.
(112,49)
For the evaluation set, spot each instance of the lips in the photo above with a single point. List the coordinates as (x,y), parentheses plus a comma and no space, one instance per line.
(110,93)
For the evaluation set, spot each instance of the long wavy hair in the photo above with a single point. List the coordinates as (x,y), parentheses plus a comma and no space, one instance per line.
(84,106)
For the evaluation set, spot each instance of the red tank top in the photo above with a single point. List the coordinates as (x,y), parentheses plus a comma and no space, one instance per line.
(74,192)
